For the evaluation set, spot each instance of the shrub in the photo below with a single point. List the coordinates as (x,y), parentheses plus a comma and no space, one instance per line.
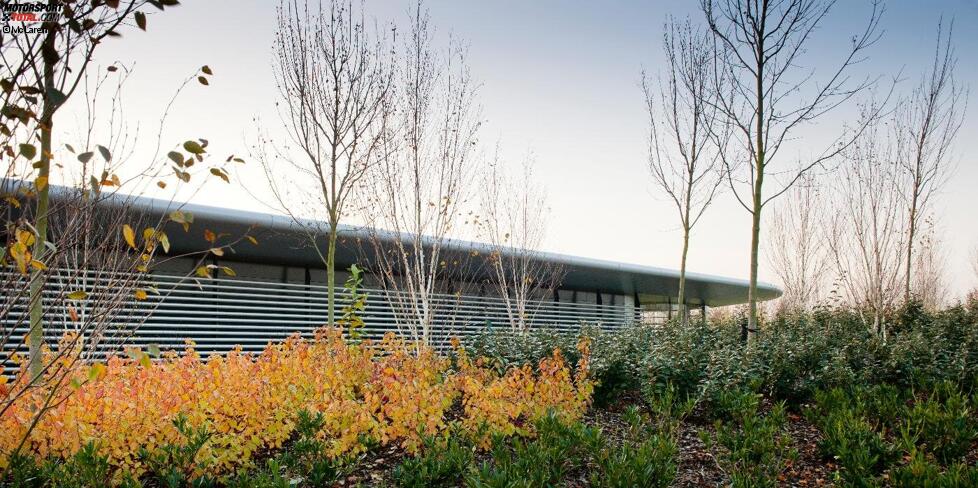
(182,419)
(177,465)
(513,402)
(646,457)
(616,359)
(545,460)
(442,462)
(921,473)
(756,446)
(941,424)
(857,444)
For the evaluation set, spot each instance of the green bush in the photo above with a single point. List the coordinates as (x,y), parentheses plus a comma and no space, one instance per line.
(87,468)
(941,424)
(851,435)
(617,358)
(755,446)
(442,462)
(646,457)
(173,465)
(921,473)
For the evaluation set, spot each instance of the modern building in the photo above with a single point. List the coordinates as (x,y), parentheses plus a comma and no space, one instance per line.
(279,286)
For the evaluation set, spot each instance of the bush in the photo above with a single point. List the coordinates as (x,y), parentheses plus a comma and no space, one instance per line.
(942,424)
(920,472)
(850,437)
(646,457)
(442,462)
(617,359)
(182,420)
(755,446)
(543,461)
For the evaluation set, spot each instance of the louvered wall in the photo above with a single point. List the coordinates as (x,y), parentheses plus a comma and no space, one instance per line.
(218,314)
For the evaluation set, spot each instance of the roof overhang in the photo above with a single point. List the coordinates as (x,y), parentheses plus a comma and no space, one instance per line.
(284,241)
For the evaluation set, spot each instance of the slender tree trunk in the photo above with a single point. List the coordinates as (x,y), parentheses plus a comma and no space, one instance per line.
(755,238)
(36,331)
(911,233)
(751,330)
(331,274)
(758,201)
(684,314)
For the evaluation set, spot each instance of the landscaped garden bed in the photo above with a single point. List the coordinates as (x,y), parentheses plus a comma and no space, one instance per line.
(817,400)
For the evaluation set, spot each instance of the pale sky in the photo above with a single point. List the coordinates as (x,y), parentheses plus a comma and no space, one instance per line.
(560,79)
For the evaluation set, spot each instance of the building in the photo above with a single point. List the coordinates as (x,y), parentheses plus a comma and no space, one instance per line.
(279,287)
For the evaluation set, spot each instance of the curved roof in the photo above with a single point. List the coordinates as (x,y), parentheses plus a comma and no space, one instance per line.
(286,242)
(283,241)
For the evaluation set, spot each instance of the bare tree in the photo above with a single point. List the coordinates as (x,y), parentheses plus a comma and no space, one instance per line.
(42,68)
(974,260)
(334,79)
(686,135)
(925,127)
(797,248)
(421,179)
(929,282)
(514,223)
(773,95)
(96,273)
(867,236)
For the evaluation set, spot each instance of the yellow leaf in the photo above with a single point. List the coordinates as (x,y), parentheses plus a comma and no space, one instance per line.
(203,272)
(252,240)
(140,294)
(217,251)
(77,295)
(165,242)
(129,235)
(38,265)
(41,182)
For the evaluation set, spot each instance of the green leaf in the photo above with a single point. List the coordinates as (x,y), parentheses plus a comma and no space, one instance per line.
(193,147)
(96,371)
(153,350)
(104,151)
(28,151)
(85,156)
(141,20)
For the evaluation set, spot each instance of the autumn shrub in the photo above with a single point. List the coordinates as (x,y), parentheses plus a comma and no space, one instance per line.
(616,358)
(186,418)
(511,402)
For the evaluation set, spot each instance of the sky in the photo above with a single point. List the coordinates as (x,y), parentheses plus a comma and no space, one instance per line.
(559,79)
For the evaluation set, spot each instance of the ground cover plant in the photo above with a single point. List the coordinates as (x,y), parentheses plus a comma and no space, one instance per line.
(816,400)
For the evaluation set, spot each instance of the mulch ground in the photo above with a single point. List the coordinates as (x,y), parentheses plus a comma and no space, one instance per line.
(698,463)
